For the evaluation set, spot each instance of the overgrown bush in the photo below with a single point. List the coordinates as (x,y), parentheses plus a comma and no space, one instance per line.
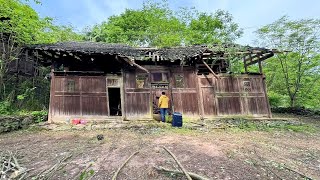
(296,110)
(40,116)
(5,108)
(277,100)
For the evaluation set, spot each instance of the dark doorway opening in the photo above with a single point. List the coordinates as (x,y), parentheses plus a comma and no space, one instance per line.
(114,101)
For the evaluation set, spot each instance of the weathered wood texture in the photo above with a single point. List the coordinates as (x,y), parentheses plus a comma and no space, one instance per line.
(234,95)
(184,92)
(78,96)
(191,94)
(136,100)
(141,96)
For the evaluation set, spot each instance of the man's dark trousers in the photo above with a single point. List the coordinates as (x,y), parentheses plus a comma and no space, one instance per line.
(163,112)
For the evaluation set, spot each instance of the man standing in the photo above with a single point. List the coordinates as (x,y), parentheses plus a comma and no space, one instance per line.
(163,105)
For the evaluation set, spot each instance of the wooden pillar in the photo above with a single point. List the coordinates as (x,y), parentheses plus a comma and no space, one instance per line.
(266,96)
(245,65)
(122,95)
(51,100)
(260,67)
(259,62)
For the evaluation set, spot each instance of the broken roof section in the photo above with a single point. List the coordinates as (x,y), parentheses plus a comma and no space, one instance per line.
(183,53)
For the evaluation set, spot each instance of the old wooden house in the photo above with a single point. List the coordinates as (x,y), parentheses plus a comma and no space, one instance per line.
(96,81)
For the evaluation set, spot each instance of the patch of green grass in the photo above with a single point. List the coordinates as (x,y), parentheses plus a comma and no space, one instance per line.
(86,174)
(251,125)
(181,130)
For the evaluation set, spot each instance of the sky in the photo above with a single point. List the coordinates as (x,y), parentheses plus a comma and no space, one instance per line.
(249,14)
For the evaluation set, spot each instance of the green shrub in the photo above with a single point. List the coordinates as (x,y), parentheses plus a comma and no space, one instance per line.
(40,116)
(5,108)
(276,100)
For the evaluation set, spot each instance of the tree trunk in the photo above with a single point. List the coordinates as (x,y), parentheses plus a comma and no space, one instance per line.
(292,101)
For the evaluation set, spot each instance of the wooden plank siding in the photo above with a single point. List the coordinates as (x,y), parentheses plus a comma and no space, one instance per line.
(185,99)
(78,96)
(233,95)
(137,101)
(191,94)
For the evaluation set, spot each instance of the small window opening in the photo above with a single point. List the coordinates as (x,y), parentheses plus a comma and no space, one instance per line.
(157,77)
(247,86)
(70,86)
(179,81)
(142,81)
(160,77)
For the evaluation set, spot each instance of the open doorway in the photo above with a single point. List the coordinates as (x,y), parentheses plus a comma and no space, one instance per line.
(114,101)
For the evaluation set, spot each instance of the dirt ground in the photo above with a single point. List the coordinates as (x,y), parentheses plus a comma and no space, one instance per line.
(220,153)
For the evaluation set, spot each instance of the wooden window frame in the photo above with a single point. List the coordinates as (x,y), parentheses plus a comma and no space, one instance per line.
(142,79)
(71,85)
(164,75)
(247,86)
(182,81)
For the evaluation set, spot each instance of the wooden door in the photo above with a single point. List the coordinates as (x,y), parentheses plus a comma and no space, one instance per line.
(156,92)
(207,95)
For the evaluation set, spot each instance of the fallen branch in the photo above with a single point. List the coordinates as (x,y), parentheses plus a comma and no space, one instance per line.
(47,174)
(9,166)
(265,165)
(181,167)
(117,172)
(302,175)
(192,175)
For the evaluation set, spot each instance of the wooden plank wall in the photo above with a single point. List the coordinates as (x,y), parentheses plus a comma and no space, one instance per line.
(138,101)
(200,95)
(78,96)
(233,95)
(185,99)
(207,95)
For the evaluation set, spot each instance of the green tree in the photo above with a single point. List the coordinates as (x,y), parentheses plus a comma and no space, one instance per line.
(207,28)
(295,71)
(20,25)
(155,24)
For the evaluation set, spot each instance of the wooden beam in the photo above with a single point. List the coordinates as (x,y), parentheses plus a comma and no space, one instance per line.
(260,66)
(245,65)
(214,74)
(140,67)
(261,59)
(132,63)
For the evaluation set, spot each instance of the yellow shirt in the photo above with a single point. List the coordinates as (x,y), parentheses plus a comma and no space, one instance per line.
(163,101)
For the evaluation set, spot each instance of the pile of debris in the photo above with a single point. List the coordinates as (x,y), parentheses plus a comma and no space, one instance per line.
(10,168)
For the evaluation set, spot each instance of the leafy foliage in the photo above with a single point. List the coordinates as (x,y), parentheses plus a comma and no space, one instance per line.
(294,73)
(293,77)
(39,116)
(155,24)
(21,25)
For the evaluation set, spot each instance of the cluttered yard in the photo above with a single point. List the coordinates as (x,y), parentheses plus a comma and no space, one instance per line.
(234,148)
